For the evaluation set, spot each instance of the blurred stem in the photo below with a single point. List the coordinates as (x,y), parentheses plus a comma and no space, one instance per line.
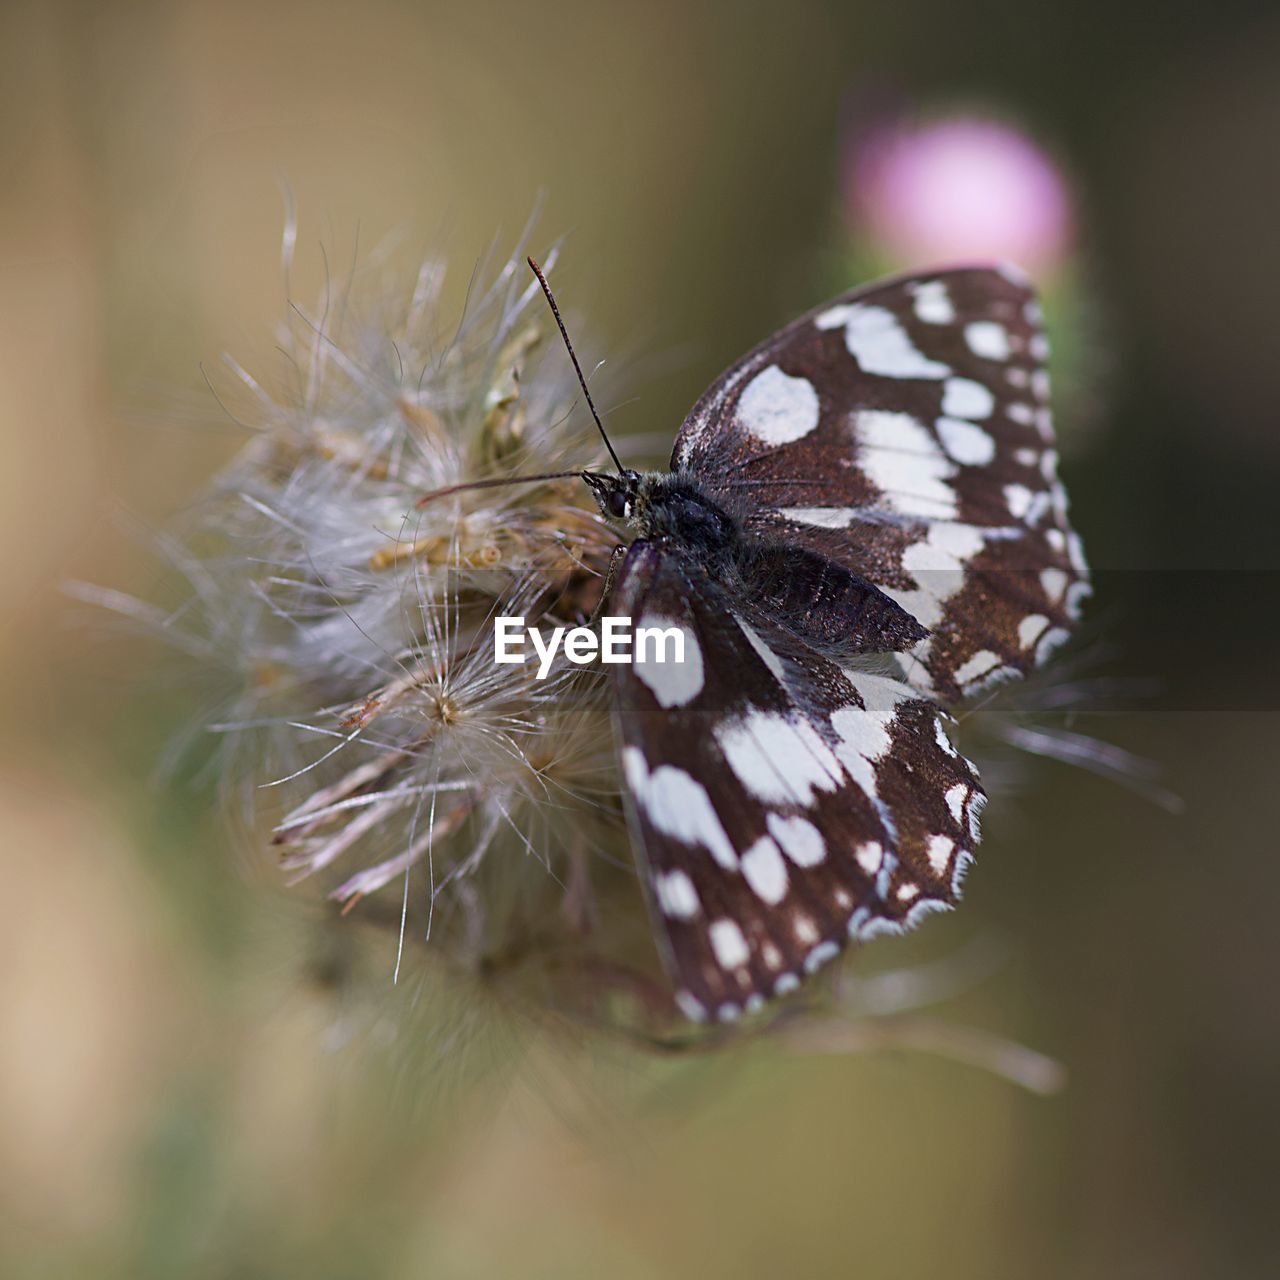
(1005,1058)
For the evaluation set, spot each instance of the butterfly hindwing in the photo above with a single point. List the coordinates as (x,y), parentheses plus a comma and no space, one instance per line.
(904,431)
(783,805)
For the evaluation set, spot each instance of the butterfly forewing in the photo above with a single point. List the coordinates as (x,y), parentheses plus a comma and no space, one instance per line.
(784,805)
(904,431)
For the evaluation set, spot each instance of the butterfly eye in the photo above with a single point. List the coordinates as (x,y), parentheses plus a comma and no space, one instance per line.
(618,504)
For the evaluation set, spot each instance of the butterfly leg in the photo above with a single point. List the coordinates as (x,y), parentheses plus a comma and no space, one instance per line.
(610,574)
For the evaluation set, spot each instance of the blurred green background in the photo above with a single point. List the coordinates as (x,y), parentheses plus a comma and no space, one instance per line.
(171,1101)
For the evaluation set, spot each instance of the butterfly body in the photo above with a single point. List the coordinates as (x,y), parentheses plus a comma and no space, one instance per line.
(812,594)
(862,527)
(665,506)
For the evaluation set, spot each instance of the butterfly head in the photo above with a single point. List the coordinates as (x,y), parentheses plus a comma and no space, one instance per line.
(618,495)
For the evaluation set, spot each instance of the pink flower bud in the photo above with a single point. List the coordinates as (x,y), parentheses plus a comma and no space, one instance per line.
(955,190)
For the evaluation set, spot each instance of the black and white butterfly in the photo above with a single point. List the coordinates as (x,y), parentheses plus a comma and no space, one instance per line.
(862,526)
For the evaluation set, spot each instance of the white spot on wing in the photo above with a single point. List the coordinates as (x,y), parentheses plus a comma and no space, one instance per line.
(765,871)
(728,943)
(955,800)
(801,841)
(879,343)
(1077,594)
(874,928)
(1075,553)
(821,517)
(690,1007)
(939,851)
(819,956)
(832,317)
(777,408)
(933,303)
(1054,582)
(864,734)
(900,457)
(988,339)
(981,664)
(673,683)
(1041,505)
(1018,497)
(1029,629)
(964,398)
(778,759)
(925,907)
(967,443)
(937,564)
(1051,640)
(806,930)
(997,675)
(869,856)
(676,895)
(678,806)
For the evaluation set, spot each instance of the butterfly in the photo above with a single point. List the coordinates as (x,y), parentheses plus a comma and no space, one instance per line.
(861,530)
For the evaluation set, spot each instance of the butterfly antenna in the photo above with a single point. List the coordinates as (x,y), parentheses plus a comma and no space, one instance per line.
(494,484)
(577,368)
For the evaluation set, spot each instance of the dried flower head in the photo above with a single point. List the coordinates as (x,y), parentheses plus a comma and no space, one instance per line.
(398,769)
